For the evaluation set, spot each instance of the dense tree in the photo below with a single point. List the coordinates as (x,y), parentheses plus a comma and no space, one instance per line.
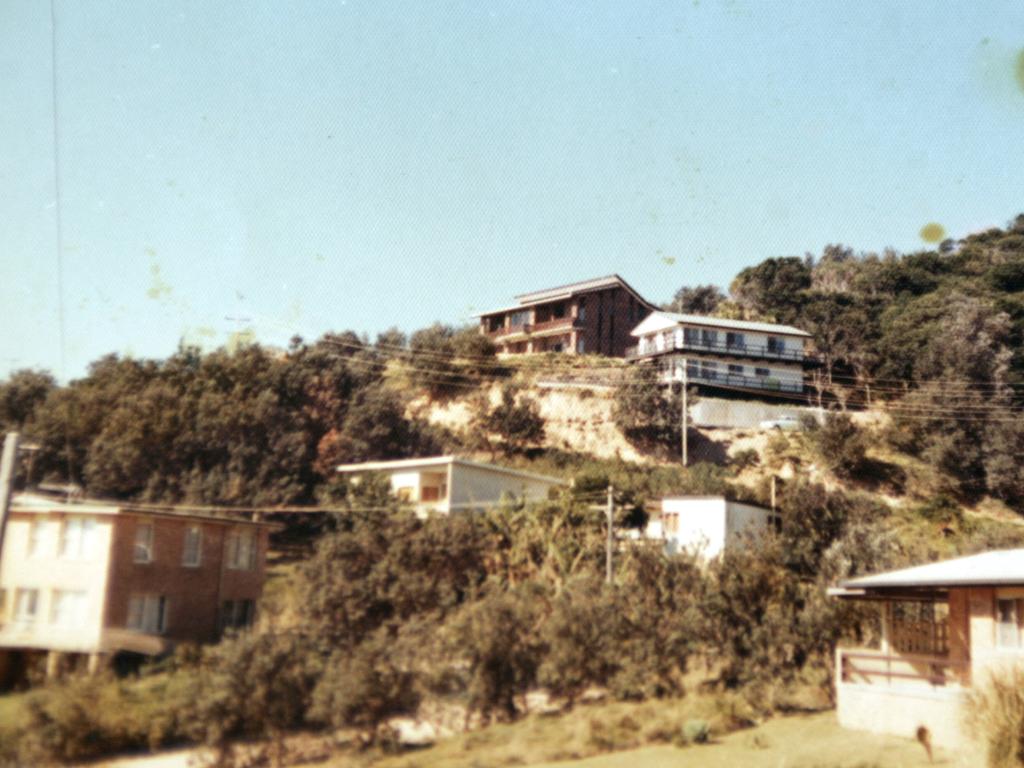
(21,394)
(513,424)
(698,300)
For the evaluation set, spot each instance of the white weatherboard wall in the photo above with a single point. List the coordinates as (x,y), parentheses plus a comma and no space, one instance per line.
(744,414)
(708,524)
(47,570)
(475,487)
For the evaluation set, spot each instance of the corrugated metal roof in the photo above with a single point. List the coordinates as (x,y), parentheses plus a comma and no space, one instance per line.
(745,325)
(1000,567)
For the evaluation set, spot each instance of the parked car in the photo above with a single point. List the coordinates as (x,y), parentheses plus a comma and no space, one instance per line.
(782,423)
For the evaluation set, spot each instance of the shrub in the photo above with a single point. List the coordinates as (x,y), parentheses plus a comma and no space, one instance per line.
(696,731)
(363,689)
(995,713)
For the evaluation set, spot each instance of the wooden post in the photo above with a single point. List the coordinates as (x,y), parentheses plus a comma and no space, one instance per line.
(610,542)
(7,480)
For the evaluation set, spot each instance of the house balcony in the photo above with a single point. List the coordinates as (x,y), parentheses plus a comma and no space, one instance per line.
(733,380)
(737,350)
(547,328)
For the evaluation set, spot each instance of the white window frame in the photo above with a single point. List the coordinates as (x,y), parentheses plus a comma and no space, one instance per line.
(74,612)
(147,613)
(192,553)
(77,537)
(142,547)
(240,558)
(1001,642)
(36,531)
(23,598)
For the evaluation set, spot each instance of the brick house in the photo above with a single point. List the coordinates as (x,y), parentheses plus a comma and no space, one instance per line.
(589,317)
(92,580)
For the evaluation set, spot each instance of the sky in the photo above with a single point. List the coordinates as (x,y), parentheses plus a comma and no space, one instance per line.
(303,167)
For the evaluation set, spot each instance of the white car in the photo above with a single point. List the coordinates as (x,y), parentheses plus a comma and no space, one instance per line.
(782,423)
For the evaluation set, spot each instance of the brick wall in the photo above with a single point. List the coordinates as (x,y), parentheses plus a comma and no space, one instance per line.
(610,316)
(194,594)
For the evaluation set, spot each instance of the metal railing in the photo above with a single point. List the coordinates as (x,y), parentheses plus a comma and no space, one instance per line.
(672,344)
(868,667)
(767,383)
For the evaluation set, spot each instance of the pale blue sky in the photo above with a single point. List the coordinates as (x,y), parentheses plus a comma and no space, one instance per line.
(321,166)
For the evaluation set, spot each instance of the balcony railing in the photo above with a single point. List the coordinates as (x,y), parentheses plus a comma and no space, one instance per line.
(767,383)
(559,323)
(673,343)
(877,668)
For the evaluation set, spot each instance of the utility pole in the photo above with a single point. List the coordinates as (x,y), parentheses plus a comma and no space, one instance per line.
(608,550)
(685,417)
(7,480)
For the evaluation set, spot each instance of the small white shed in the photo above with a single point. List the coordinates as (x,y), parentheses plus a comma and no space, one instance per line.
(707,524)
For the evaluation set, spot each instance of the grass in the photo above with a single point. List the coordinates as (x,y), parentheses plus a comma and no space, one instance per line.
(585,731)
(804,741)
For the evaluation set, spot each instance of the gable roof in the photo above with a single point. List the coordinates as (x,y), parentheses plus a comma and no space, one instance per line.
(661,319)
(572,289)
(999,567)
(440,461)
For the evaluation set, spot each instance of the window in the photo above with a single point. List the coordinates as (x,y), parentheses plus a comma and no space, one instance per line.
(77,537)
(763,373)
(147,613)
(708,338)
(241,550)
(692,369)
(691,336)
(735,370)
(432,493)
(68,608)
(735,340)
(237,614)
(776,345)
(26,605)
(580,346)
(143,551)
(517,319)
(670,522)
(708,370)
(1007,630)
(558,312)
(192,551)
(35,537)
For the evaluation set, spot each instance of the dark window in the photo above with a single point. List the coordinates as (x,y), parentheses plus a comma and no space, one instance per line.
(764,373)
(237,614)
(691,336)
(734,340)
(735,370)
(708,337)
(776,344)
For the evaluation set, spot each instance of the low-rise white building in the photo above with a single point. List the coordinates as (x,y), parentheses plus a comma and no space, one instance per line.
(707,525)
(715,351)
(947,628)
(445,484)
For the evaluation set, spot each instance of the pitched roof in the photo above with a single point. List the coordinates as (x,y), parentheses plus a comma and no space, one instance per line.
(37,503)
(572,289)
(998,567)
(723,322)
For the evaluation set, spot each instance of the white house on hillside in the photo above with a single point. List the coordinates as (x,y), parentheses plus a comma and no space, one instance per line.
(707,524)
(447,484)
(716,351)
